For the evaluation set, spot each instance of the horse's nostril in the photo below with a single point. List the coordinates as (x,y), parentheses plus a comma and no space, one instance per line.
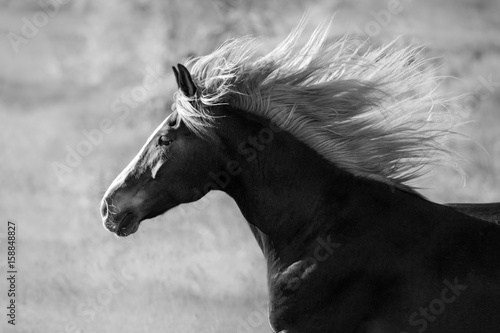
(104,208)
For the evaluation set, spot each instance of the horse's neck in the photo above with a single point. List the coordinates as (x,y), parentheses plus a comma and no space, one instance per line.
(292,197)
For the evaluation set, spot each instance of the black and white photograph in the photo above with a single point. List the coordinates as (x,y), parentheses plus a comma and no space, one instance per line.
(232,166)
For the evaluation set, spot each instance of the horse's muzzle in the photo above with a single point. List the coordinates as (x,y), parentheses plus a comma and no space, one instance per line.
(122,223)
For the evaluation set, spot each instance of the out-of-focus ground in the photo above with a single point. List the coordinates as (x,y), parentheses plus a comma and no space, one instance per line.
(197,268)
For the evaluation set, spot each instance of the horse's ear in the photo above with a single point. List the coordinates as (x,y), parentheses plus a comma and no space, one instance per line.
(176,72)
(184,81)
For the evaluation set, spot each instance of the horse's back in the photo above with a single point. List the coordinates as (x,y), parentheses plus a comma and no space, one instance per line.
(488,211)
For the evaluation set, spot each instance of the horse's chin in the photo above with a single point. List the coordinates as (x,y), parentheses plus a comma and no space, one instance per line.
(130,223)
(127,229)
(126,226)
(127,222)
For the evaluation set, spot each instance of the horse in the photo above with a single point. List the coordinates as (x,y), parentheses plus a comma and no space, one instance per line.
(319,145)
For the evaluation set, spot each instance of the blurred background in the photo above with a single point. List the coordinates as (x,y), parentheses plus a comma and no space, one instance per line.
(70,66)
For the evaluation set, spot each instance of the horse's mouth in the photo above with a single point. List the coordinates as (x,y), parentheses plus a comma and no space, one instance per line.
(126,227)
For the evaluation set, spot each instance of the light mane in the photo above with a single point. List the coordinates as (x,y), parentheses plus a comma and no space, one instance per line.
(372,112)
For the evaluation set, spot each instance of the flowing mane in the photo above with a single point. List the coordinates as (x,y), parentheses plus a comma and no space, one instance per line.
(374,112)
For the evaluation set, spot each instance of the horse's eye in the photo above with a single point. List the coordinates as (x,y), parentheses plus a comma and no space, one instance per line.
(164,140)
